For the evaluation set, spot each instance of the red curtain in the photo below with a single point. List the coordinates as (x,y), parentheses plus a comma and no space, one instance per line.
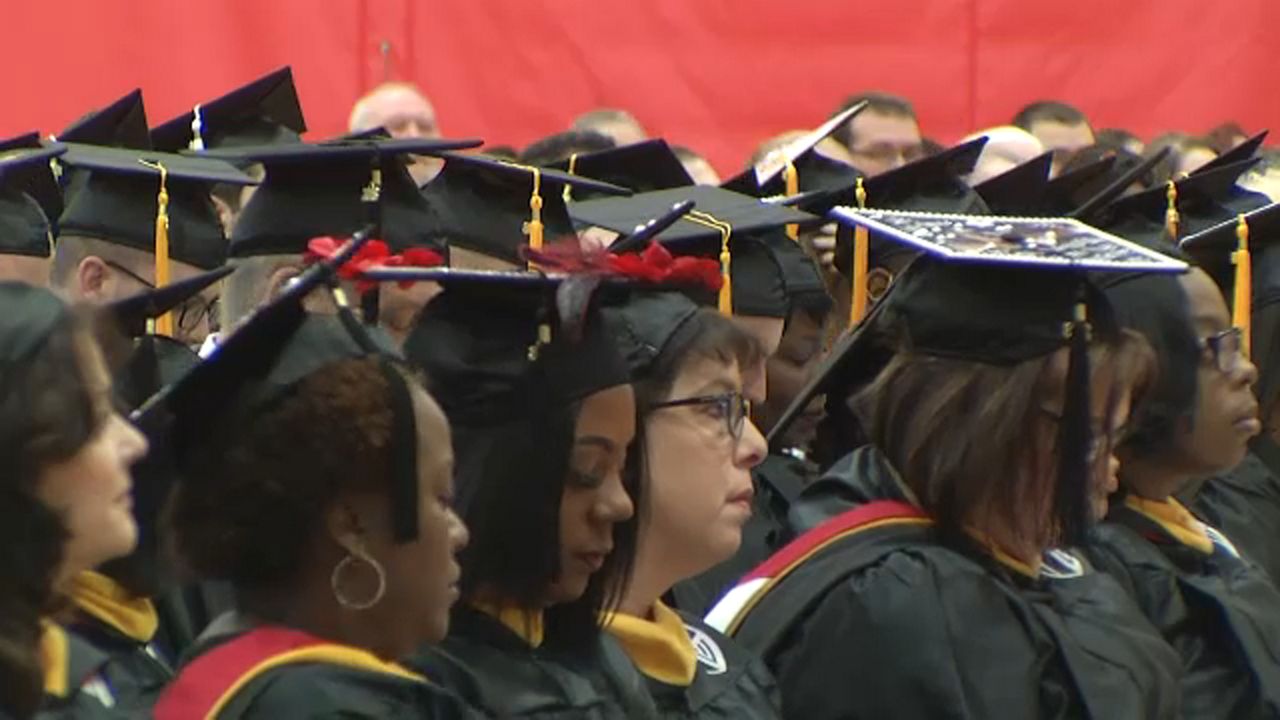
(717,75)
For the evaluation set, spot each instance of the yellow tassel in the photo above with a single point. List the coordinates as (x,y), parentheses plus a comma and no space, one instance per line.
(861,258)
(533,228)
(567,193)
(1241,308)
(1171,214)
(164,323)
(792,178)
(725,302)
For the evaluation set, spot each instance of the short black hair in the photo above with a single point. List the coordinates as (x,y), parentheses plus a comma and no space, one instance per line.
(1116,138)
(877,102)
(559,147)
(1050,110)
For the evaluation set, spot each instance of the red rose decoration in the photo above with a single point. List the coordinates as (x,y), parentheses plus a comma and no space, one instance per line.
(657,265)
(415,257)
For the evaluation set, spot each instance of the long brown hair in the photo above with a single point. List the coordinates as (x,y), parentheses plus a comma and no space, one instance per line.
(961,434)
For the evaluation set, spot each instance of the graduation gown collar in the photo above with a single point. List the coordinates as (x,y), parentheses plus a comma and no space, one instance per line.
(103,599)
(1174,520)
(524,623)
(660,647)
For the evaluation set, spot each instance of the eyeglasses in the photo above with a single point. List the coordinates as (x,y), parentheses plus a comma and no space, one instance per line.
(1226,349)
(731,406)
(190,314)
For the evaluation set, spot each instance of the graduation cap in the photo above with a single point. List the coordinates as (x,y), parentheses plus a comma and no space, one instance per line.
(334,189)
(38,181)
(503,345)
(122,124)
(642,167)
(120,202)
(1019,190)
(24,226)
(996,291)
(263,112)
(276,348)
(30,315)
(644,324)
(763,268)
(1244,151)
(797,166)
(494,207)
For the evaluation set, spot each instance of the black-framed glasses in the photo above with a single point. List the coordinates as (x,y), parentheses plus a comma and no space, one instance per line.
(732,406)
(189,314)
(1226,348)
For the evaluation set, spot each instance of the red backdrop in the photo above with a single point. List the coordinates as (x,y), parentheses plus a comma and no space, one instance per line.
(718,75)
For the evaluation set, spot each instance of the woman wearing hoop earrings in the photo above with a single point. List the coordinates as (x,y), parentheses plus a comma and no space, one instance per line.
(317,481)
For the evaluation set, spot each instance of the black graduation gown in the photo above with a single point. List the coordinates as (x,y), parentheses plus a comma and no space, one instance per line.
(884,621)
(779,480)
(1221,613)
(500,674)
(88,697)
(133,671)
(316,688)
(728,681)
(1245,505)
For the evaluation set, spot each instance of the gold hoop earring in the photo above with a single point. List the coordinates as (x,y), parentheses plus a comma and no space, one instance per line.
(335,581)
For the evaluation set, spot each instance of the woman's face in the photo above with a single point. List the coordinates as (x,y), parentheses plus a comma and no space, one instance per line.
(91,490)
(1106,476)
(1226,412)
(422,575)
(699,475)
(594,499)
(788,371)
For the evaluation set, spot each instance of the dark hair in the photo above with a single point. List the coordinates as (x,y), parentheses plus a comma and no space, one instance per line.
(1157,308)
(559,147)
(501,151)
(46,416)
(1116,138)
(253,497)
(1051,111)
(1179,144)
(1222,138)
(944,423)
(877,102)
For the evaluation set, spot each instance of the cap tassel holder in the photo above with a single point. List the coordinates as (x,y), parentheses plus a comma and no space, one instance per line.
(164,323)
(1242,302)
(861,253)
(725,303)
(1074,432)
(791,177)
(1171,219)
(567,193)
(197,129)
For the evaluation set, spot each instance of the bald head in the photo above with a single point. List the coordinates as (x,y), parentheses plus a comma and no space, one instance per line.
(1007,147)
(399,107)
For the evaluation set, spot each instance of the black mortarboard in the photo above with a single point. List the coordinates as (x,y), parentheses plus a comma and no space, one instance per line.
(484,204)
(767,268)
(132,313)
(263,112)
(123,124)
(277,347)
(328,189)
(1244,151)
(117,202)
(24,226)
(501,345)
(644,324)
(992,290)
(814,171)
(1019,190)
(642,167)
(39,182)
(30,314)
(1074,185)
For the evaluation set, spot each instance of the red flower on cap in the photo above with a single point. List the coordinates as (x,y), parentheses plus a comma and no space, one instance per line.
(415,257)
(657,265)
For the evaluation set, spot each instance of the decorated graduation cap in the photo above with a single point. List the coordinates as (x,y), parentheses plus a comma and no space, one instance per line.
(798,166)
(642,167)
(123,124)
(25,175)
(263,112)
(277,347)
(993,290)
(762,269)
(495,207)
(335,189)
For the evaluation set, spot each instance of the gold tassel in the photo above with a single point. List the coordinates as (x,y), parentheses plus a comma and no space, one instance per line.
(1242,306)
(861,258)
(164,323)
(533,228)
(725,303)
(567,193)
(792,178)
(1171,214)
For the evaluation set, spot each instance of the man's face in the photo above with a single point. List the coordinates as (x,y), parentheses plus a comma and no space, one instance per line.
(25,269)
(406,114)
(1062,138)
(191,319)
(882,142)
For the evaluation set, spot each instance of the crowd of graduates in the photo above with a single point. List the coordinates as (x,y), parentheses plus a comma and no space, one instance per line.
(395,425)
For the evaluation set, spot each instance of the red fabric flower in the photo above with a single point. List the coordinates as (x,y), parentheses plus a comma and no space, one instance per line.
(372,253)
(657,265)
(414,257)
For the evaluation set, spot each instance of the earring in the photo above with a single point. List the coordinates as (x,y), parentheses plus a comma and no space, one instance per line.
(335,581)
